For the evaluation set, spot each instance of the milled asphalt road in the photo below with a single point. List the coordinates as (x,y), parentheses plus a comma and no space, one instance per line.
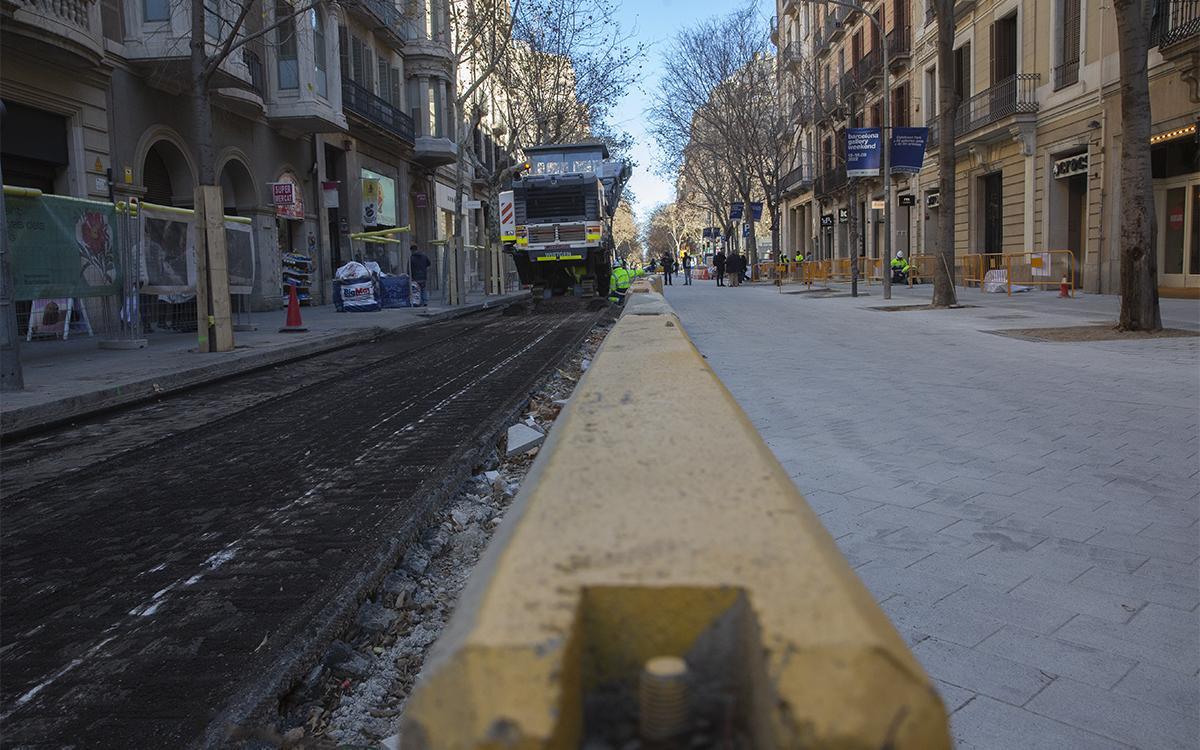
(1025,512)
(162,564)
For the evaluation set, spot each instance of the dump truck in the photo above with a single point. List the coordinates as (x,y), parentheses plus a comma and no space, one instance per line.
(556,218)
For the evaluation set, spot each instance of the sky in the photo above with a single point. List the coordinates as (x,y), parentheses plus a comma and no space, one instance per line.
(656,23)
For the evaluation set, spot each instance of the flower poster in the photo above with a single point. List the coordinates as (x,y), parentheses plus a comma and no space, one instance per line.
(62,247)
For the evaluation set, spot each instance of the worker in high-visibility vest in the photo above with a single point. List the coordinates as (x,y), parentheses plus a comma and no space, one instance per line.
(900,269)
(618,283)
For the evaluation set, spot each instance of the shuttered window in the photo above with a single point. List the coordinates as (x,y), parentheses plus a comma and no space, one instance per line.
(1067,71)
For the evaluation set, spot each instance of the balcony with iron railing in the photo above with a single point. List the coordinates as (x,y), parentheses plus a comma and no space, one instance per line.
(849,83)
(899,45)
(831,180)
(258,76)
(1013,96)
(802,109)
(384,16)
(869,69)
(1176,21)
(790,54)
(377,112)
(1066,74)
(797,181)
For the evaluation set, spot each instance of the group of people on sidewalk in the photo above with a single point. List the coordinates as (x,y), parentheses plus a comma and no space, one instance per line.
(734,265)
(670,267)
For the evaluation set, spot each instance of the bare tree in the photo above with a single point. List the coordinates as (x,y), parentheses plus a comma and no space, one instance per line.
(1139,262)
(708,106)
(625,234)
(944,293)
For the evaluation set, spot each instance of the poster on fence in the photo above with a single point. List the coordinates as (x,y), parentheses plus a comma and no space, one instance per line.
(239,250)
(61,247)
(168,252)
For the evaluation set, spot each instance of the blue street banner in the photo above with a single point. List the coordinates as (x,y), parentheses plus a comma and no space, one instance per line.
(756,211)
(908,149)
(707,232)
(735,211)
(863,152)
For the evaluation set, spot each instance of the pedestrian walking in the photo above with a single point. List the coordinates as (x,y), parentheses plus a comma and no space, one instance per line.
(719,265)
(687,268)
(668,264)
(733,266)
(743,266)
(418,268)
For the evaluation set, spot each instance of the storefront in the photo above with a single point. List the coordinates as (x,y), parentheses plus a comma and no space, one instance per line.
(1175,164)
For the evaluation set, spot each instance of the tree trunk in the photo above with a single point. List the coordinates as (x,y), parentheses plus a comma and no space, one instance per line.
(944,293)
(1139,261)
(214,324)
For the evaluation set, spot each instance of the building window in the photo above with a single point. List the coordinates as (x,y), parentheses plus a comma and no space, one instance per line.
(931,91)
(288,64)
(320,67)
(900,106)
(877,114)
(962,72)
(156,10)
(1067,71)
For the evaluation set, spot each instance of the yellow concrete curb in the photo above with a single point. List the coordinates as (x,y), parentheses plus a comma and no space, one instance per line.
(621,547)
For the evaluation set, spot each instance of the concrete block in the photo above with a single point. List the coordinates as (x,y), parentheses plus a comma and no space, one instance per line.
(522,438)
(727,568)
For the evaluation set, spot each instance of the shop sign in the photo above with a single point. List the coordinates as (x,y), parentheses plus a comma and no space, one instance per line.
(285,194)
(1071,166)
(421,200)
(863,152)
(843,215)
(329,194)
(932,200)
(826,220)
(908,200)
(877,205)
(1175,219)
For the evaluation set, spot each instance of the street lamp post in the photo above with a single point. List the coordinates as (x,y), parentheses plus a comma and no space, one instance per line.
(886,144)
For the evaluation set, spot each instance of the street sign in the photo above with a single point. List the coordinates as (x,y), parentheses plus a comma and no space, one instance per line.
(908,149)
(735,211)
(843,215)
(908,200)
(756,211)
(746,229)
(863,152)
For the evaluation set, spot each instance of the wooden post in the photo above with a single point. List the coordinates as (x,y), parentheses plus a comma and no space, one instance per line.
(214,317)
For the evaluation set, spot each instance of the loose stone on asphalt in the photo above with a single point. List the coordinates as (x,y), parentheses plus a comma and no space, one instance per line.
(1025,512)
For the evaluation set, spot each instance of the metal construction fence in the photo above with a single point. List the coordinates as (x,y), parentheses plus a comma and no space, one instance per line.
(93,268)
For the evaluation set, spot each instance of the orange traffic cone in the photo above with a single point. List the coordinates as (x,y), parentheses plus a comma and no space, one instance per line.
(293,324)
(1063,289)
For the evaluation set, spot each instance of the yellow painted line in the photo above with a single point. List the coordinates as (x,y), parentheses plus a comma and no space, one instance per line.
(725,566)
(560,257)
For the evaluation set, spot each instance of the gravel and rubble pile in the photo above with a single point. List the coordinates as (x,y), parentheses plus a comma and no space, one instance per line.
(354,697)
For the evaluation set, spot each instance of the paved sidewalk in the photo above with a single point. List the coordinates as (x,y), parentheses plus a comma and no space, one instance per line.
(1025,512)
(65,380)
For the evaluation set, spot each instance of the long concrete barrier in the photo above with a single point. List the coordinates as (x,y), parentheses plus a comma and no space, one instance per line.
(621,548)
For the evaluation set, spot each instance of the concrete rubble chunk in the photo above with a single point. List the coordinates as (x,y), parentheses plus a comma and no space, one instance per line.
(374,618)
(344,661)
(522,438)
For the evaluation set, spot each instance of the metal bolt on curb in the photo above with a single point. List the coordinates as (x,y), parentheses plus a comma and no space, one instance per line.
(662,698)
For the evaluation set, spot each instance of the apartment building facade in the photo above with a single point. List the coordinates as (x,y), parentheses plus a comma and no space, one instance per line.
(1038,132)
(340,100)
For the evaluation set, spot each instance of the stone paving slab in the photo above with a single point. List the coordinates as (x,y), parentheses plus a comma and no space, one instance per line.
(1025,512)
